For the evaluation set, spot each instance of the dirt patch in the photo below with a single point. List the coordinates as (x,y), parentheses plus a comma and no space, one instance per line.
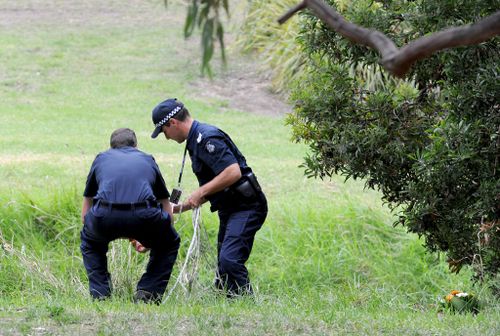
(243,87)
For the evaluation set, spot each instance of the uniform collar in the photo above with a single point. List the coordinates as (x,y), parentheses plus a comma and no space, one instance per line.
(125,148)
(191,139)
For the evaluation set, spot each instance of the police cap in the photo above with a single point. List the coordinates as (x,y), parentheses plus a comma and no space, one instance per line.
(163,112)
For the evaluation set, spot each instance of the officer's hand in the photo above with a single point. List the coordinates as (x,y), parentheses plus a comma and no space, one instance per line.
(138,246)
(176,208)
(196,199)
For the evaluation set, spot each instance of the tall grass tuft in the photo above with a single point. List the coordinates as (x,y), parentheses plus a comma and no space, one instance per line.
(39,241)
(276,44)
(40,255)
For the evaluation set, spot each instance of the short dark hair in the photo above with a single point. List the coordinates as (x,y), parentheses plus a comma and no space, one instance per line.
(123,137)
(182,114)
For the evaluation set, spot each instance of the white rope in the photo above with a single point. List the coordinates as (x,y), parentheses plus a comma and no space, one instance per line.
(189,270)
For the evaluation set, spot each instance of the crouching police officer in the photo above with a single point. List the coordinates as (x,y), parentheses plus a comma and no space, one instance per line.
(125,197)
(226,181)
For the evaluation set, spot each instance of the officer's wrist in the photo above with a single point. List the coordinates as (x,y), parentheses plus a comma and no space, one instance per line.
(204,192)
(184,207)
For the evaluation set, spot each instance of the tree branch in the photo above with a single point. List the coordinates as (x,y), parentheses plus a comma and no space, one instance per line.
(398,61)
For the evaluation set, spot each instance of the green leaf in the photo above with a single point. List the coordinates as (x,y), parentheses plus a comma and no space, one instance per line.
(190,20)
(220,36)
(207,40)
(225,3)
(458,304)
(203,14)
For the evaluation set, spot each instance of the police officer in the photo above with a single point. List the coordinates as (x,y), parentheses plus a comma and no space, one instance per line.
(125,197)
(226,181)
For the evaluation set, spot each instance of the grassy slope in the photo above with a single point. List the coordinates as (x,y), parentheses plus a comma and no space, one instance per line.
(327,261)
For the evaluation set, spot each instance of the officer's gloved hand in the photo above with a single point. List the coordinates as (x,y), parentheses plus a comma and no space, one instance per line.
(138,246)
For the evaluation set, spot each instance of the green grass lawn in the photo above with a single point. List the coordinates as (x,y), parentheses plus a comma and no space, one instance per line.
(327,261)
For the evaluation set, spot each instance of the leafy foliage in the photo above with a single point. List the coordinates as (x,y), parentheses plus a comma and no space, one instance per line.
(431,144)
(205,14)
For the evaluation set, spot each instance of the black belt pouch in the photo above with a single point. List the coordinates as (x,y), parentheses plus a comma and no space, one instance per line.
(248,187)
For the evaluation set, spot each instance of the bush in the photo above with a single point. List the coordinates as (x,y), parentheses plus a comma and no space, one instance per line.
(430,144)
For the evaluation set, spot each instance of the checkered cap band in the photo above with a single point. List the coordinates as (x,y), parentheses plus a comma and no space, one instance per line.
(168,116)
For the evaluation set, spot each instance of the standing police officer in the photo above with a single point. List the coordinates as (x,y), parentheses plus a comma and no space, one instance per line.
(226,181)
(125,197)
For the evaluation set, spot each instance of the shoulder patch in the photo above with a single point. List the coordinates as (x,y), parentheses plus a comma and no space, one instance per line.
(210,147)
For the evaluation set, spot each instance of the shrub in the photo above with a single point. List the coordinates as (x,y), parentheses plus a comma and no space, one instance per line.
(430,144)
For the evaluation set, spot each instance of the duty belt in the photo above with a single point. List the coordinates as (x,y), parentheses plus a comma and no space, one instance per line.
(126,206)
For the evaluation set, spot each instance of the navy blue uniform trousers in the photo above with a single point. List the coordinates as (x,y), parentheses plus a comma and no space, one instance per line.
(149,225)
(235,240)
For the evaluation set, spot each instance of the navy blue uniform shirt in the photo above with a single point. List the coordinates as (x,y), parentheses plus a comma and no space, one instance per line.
(211,151)
(125,175)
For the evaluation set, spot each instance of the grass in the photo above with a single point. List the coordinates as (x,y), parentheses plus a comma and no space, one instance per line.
(327,261)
